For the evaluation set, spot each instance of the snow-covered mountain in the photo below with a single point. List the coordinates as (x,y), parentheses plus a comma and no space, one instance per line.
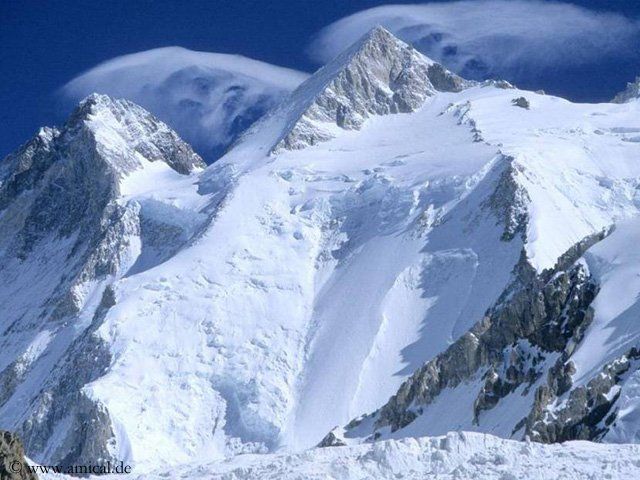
(391,244)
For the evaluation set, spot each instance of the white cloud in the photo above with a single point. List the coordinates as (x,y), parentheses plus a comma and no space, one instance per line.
(208,98)
(493,38)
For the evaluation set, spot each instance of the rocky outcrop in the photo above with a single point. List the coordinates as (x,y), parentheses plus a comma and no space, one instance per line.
(62,408)
(332,440)
(13,465)
(587,412)
(378,75)
(521,102)
(508,202)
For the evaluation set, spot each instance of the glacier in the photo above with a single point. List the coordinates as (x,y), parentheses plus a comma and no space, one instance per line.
(387,219)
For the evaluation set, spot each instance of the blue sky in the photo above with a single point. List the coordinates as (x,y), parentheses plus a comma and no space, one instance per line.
(44,45)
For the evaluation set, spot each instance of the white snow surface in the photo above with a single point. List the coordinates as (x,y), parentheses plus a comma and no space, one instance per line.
(458,455)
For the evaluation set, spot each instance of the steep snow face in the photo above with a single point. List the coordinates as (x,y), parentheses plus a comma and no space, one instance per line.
(367,254)
(320,266)
(209,98)
(573,173)
(615,264)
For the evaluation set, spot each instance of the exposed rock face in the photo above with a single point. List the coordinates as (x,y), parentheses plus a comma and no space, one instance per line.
(60,210)
(52,172)
(332,440)
(11,458)
(521,102)
(508,202)
(378,75)
(632,92)
(587,412)
(63,397)
(142,132)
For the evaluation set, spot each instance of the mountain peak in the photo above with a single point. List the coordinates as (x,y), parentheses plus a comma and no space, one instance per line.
(119,125)
(103,139)
(98,99)
(377,75)
(379,35)
(95,103)
(632,92)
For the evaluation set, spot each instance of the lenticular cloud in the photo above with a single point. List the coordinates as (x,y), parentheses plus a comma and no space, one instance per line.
(494,38)
(209,98)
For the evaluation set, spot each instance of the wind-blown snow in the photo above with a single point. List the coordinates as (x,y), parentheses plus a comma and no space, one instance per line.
(208,98)
(516,40)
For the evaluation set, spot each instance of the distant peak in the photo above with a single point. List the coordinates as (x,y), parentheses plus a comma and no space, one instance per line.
(97,98)
(376,43)
(632,92)
(87,107)
(381,39)
(113,122)
(377,75)
(379,34)
(97,102)
(380,30)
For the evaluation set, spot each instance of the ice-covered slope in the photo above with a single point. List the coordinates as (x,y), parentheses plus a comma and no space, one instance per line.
(280,292)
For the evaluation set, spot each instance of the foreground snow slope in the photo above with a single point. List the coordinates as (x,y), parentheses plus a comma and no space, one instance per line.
(346,243)
(460,456)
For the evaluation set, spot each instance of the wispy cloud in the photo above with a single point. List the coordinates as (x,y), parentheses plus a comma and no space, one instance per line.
(494,38)
(208,98)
